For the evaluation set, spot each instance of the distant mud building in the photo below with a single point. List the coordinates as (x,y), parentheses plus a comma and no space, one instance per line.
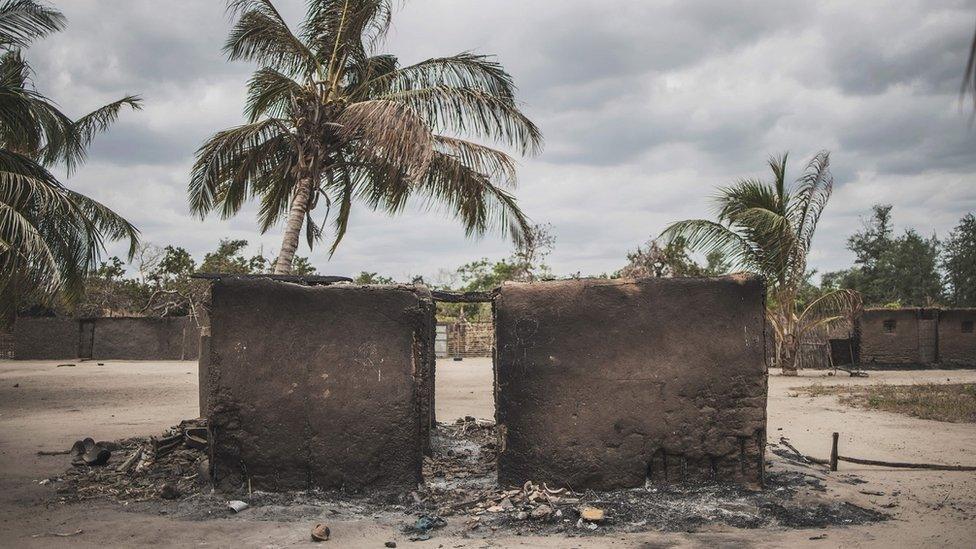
(108,338)
(917,337)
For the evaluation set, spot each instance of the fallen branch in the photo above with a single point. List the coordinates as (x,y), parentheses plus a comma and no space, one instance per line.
(877,462)
(130,461)
(901,465)
(53,452)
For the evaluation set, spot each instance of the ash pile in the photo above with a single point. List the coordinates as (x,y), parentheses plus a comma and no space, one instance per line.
(171,466)
(460,494)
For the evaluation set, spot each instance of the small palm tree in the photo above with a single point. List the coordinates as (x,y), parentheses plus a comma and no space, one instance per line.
(767,228)
(50,236)
(330,122)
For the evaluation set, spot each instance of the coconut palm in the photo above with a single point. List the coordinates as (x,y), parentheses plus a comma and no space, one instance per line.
(331,122)
(767,228)
(50,236)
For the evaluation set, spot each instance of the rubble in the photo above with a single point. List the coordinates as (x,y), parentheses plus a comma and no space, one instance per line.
(144,468)
(461,495)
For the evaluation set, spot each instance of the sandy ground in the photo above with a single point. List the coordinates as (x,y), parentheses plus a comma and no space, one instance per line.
(46,407)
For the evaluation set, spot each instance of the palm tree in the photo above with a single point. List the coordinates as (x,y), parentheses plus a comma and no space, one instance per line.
(50,236)
(330,122)
(767,228)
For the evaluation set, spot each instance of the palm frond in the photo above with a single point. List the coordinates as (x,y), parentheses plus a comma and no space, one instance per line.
(810,197)
(829,309)
(74,150)
(494,164)
(347,29)
(262,35)
(473,199)
(270,93)
(391,132)
(106,224)
(969,79)
(230,162)
(707,236)
(363,77)
(473,112)
(23,21)
(464,70)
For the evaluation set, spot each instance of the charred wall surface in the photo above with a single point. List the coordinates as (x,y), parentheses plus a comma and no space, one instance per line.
(318,386)
(124,338)
(46,338)
(145,339)
(603,384)
(957,337)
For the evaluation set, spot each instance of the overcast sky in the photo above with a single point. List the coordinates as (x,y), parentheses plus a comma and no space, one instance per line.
(646,106)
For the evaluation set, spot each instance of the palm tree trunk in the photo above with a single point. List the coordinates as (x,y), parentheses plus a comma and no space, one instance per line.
(293,227)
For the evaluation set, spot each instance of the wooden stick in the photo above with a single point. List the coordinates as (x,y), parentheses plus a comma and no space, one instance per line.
(833,452)
(900,465)
(896,464)
(128,463)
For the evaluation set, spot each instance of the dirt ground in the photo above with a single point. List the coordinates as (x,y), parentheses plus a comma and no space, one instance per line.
(47,407)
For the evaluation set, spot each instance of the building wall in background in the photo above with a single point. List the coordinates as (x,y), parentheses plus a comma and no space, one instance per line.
(123,338)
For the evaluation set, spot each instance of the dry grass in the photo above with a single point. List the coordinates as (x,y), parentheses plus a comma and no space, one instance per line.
(955,403)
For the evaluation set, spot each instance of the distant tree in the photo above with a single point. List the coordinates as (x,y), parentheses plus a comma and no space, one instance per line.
(228,258)
(913,277)
(109,293)
(302,266)
(890,270)
(670,260)
(365,277)
(959,263)
(176,263)
(529,257)
(872,255)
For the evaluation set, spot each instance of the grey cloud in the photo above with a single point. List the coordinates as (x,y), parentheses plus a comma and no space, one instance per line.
(646,106)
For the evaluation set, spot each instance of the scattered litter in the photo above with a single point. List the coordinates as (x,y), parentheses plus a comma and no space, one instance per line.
(460,480)
(821,536)
(592,514)
(237,505)
(44,482)
(422,526)
(88,452)
(321,532)
(143,469)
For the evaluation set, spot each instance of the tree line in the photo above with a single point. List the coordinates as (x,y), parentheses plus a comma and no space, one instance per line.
(909,269)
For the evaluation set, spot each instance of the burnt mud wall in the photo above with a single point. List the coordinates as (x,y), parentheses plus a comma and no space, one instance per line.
(133,338)
(122,338)
(203,372)
(892,337)
(957,337)
(46,338)
(605,384)
(318,386)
